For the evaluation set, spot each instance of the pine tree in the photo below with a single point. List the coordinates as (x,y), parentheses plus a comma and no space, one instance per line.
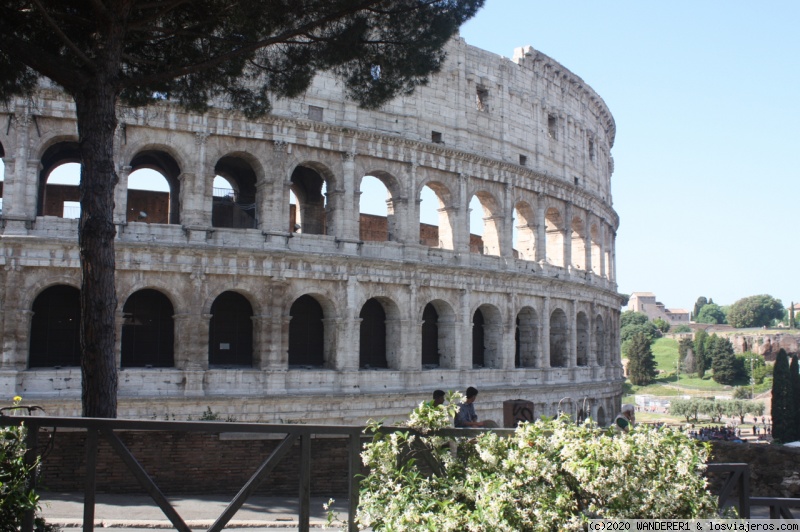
(641,362)
(781,398)
(724,366)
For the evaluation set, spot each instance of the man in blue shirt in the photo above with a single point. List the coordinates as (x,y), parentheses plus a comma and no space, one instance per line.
(466,416)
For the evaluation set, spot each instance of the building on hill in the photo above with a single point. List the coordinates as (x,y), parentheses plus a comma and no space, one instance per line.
(645,302)
(254,286)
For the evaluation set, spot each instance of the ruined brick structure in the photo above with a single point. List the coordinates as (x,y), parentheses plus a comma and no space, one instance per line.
(229,302)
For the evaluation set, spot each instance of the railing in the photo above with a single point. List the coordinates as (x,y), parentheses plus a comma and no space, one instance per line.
(735,476)
(108,428)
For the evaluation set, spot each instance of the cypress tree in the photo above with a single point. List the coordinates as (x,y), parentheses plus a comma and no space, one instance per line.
(700,362)
(794,396)
(781,398)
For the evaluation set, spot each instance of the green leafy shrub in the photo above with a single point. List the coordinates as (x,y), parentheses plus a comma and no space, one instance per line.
(553,474)
(16,497)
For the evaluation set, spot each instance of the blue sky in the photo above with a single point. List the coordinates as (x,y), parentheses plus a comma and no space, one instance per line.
(705,98)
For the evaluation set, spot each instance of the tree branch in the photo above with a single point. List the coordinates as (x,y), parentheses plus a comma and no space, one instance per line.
(57,30)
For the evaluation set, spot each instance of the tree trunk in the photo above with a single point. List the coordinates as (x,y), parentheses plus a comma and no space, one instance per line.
(97,123)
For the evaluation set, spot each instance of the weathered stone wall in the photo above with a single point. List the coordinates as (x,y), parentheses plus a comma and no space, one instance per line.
(526,137)
(774,469)
(767,345)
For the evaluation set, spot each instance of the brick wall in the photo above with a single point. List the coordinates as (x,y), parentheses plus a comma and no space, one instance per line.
(196,463)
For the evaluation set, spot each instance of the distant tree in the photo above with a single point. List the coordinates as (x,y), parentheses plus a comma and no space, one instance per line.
(716,346)
(688,408)
(742,392)
(755,311)
(699,304)
(794,410)
(700,361)
(739,408)
(725,368)
(631,317)
(686,355)
(682,329)
(711,313)
(661,324)
(782,414)
(791,316)
(752,366)
(713,409)
(641,362)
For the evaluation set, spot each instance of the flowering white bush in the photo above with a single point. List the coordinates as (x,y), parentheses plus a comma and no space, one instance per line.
(549,475)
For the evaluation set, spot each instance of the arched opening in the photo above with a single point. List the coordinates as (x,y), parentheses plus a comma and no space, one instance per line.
(59,180)
(230,333)
(56,328)
(558,339)
(372,336)
(62,193)
(375,221)
(554,229)
(578,243)
(234,194)
(526,353)
(148,197)
(147,194)
(582,339)
(599,341)
(430,337)
(435,227)
(310,191)
(484,225)
(487,337)
(524,233)
(601,417)
(306,333)
(148,337)
(478,347)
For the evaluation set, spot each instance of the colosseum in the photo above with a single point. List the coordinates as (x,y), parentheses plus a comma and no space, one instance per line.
(255,285)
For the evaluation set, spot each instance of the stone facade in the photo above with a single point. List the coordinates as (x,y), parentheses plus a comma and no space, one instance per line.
(525,136)
(645,302)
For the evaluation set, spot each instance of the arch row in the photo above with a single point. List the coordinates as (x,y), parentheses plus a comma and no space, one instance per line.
(319,193)
(302,328)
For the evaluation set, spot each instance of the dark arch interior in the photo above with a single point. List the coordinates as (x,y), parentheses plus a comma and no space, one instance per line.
(55,328)
(478,340)
(230,335)
(372,346)
(306,333)
(239,209)
(147,331)
(310,213)
(430,337)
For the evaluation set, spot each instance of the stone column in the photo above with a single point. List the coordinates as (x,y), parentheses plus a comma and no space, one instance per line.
(541,229)
(347,214)
(410,358)
(121,197)
(191,341)
(459,217)
(506,229)
(16,338)
(273,194)
(592,344)
(544,337)
(196,192)
(587,243)
(567,231)
(572,334)
(602,264)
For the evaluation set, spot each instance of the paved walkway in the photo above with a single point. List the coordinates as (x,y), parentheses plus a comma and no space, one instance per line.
(199,512)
